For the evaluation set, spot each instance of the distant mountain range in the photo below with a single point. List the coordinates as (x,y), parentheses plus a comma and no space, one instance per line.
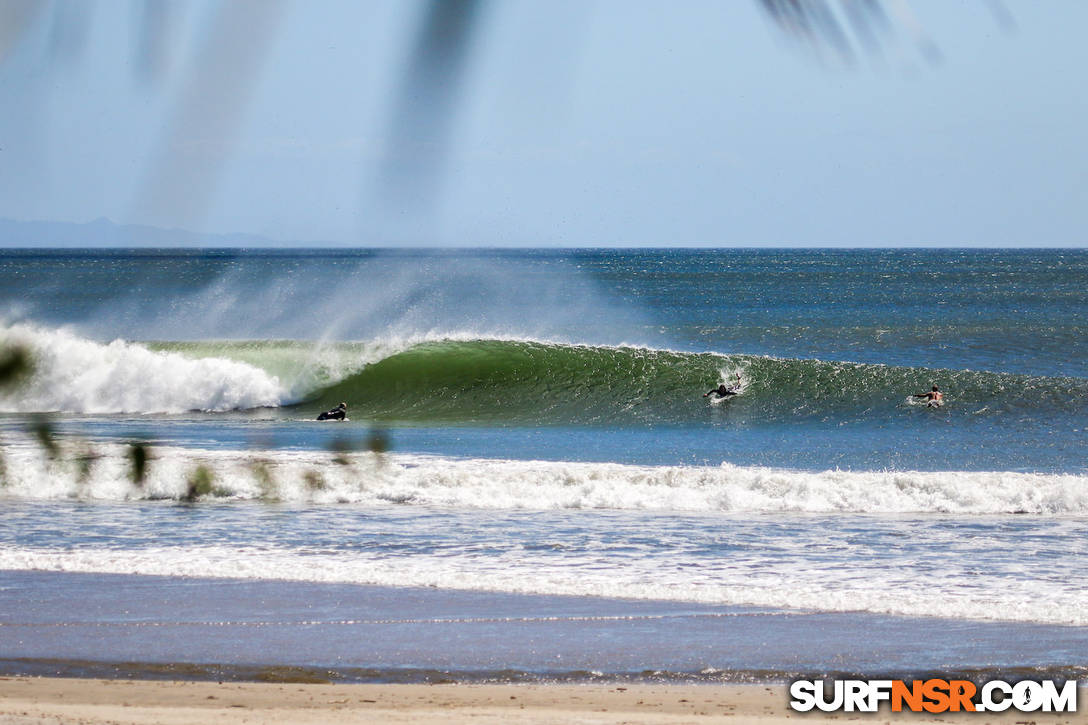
(104,233)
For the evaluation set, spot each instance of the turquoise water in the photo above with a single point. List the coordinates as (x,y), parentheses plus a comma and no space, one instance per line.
(533,422)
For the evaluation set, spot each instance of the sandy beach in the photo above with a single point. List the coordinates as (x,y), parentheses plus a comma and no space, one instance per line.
(65,700)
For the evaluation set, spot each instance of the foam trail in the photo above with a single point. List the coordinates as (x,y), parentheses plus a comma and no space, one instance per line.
(708,546)
(76,375)
(749,583)
(543,485)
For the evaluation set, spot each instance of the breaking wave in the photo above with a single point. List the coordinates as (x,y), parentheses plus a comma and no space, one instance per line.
(372,479)
(76,375)
(459,378)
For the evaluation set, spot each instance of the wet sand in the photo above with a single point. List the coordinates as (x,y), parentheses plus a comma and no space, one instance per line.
(69,700)
(102,649)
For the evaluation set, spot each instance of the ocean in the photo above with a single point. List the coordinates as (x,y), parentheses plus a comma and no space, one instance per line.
(528,445)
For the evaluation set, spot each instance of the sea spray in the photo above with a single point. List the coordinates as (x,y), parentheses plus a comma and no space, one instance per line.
(77,375)
(333,296)
(458,377)
(549,431)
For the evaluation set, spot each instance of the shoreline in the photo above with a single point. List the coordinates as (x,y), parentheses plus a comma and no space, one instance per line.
(95,626)
(287,673)
(94,702)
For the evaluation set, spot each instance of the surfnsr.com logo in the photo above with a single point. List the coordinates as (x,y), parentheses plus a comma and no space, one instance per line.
(934,695)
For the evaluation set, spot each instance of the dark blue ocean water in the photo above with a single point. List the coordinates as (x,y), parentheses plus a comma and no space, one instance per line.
(1016,311)
(435,346)
(534,421)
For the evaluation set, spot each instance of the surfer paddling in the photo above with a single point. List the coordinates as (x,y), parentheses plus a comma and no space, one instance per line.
(933,397)
(724,390)
(338,413)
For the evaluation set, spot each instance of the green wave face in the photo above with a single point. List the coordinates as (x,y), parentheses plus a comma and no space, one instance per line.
(505,382)
(491,381)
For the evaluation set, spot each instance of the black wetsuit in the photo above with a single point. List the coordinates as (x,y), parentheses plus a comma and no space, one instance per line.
(722,391)
(337,413)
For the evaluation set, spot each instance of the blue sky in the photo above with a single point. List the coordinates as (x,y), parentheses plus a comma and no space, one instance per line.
(564,123)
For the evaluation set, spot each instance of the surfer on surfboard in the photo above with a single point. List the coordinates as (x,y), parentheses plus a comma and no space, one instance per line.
(933,397)
(338,413)
(724,390)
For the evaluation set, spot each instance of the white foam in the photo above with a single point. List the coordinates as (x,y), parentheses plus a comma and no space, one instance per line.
(803,583)
(809,567)
(541,485)
(76,375)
